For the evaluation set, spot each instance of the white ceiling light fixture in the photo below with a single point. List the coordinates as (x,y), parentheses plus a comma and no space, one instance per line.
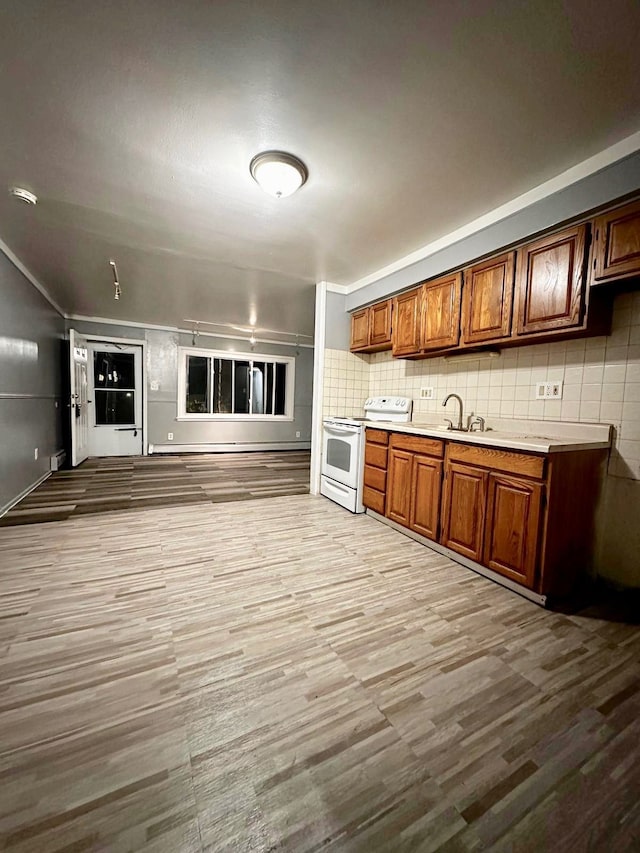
(23,195)
(279,174)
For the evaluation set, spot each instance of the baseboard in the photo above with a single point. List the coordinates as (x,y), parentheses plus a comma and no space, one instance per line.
(231,447)
(5,509)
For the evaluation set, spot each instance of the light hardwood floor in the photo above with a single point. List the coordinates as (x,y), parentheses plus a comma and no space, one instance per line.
(279,675)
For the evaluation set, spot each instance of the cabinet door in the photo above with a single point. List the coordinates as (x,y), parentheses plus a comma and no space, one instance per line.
(618,243)
(512,527)
(487,298)
(426,479)
(406,323)
(360,329)
(380,323)
(441,312)
(399,486)
(551,280)
(465,490)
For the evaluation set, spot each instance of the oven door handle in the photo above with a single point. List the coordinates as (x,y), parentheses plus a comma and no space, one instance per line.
(339,431)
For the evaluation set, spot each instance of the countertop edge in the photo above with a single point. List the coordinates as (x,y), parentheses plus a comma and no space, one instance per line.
(495,439)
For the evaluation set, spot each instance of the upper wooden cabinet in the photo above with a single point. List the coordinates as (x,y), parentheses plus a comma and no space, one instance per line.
(551,281)
(617,244)
(441,312)
(407,312)
(428,317)
(487,300)
(371,327)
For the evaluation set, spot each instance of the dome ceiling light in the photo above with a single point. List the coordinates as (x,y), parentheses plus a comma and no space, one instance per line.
(279,174)
(23,195)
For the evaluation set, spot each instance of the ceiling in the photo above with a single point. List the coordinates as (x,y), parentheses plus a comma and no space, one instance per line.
(135,122)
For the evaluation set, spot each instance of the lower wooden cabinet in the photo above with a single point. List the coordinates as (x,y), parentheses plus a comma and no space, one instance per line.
(526,516)
(512,527)
(464,510)
(414,483)
(375,469)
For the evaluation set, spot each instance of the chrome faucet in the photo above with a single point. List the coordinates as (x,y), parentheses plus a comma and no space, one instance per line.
(460,428)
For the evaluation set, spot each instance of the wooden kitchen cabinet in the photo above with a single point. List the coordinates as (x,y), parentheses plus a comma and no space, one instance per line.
(617,244)
(371,327)
(490,516)
(407,313)
(463,511)
(441,312)
(375,469)
(427,318)
(414,483)
(551,282)
(487,300)
(514,508)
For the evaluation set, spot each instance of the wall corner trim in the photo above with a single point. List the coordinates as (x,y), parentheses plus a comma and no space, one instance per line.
(15,260)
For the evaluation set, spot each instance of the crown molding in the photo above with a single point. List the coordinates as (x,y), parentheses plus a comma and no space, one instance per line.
(625,148)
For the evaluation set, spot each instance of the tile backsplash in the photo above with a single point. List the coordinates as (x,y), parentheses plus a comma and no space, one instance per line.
(600,376)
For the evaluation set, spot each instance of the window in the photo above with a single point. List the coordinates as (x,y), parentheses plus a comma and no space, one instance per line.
(236,386)
(114,387)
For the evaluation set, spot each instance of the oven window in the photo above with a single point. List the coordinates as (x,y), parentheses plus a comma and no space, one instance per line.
(339,454)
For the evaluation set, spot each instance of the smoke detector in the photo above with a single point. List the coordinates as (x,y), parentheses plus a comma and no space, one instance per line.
(23,195)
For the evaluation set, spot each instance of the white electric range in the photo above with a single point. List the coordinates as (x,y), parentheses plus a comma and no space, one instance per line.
(343,444)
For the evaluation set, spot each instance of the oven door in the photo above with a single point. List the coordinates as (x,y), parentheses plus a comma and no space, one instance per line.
(341,453)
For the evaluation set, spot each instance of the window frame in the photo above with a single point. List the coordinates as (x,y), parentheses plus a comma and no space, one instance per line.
(185,352)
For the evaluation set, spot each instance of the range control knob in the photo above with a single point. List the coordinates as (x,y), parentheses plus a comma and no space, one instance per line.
(403,403)
(368,402)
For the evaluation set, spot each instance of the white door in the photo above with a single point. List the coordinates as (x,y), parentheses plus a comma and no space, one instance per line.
(115,391)
(78,363)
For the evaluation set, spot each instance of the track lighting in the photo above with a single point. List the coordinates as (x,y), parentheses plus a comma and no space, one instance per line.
(118,290)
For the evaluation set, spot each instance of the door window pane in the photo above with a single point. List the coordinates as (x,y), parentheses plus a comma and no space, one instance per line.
(198,397)
(114,407)
(114,369)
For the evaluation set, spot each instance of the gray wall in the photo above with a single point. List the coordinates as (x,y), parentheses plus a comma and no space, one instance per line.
(337,322)
(162,367)
(31,332)
(616,181)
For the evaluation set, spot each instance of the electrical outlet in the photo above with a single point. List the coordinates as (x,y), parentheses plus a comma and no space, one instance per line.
(297,433)
(35,453)
(426,393)
(170,436)
(549,391)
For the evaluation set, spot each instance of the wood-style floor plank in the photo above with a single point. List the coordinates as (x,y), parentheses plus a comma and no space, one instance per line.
(280,675)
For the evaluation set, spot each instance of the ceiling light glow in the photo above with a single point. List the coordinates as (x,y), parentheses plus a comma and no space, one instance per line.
(279,174)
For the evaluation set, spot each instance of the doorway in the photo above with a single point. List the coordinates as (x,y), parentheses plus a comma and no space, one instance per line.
(115,389)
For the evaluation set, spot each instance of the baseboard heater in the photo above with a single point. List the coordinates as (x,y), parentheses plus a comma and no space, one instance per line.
(57,460)
(229,447)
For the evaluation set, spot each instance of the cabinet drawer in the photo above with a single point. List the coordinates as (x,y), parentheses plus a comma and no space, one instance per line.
(497,459)
(376,455)
(377,436)
(375,477)
(417,444)
(373,499)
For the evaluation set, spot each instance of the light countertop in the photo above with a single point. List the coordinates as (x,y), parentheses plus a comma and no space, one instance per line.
(531,436)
